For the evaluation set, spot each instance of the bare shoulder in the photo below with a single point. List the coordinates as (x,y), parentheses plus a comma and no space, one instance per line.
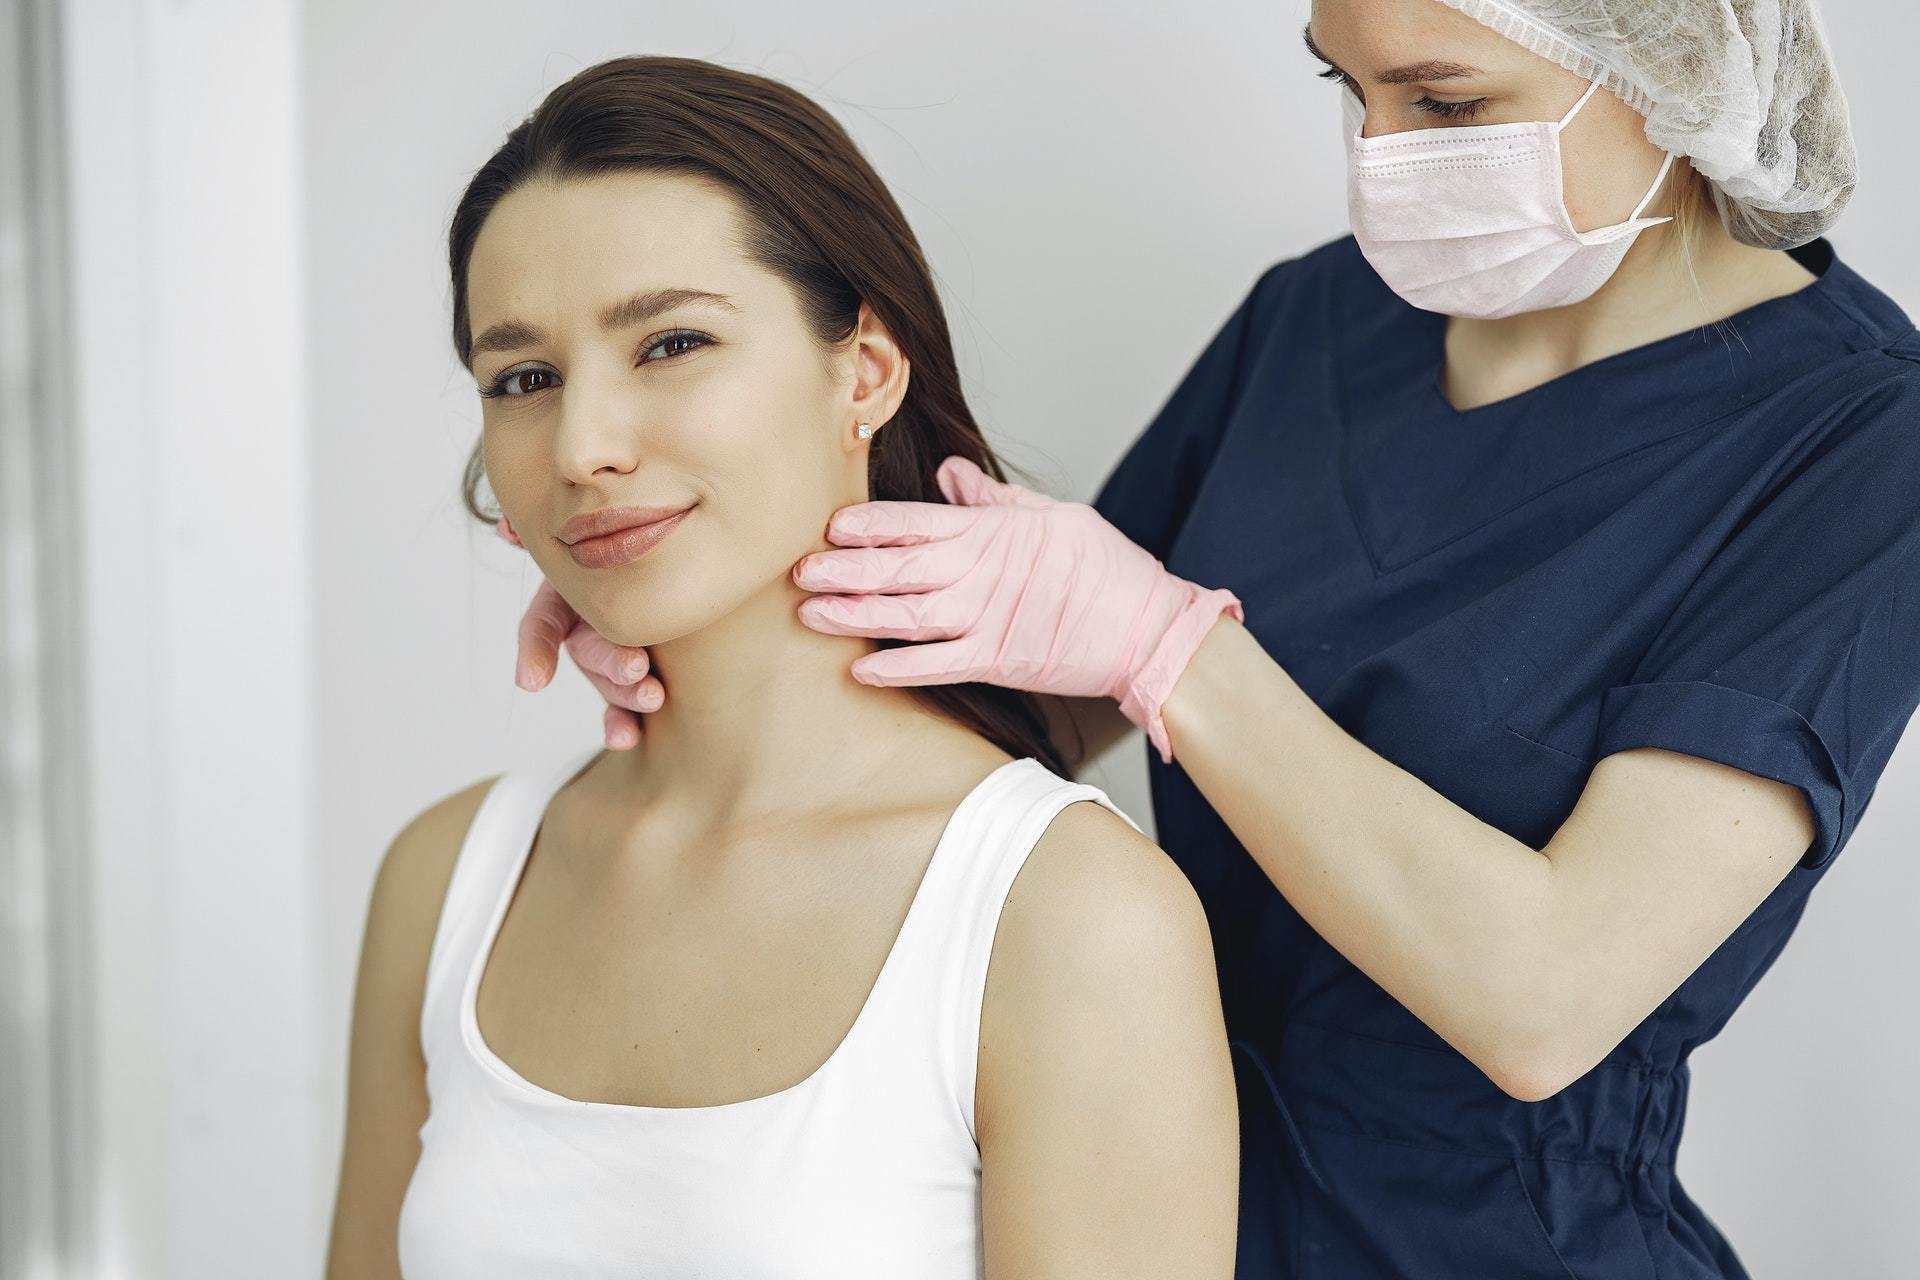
(418,864)
(1100,934)
(403,912)
(1104,1103)
(386,1086)
(1092,873)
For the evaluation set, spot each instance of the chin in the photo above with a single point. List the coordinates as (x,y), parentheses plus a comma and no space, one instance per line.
(636,618)
(624,627)
(640,610)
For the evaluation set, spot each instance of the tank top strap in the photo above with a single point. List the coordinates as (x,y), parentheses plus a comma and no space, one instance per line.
(950,958)
(503,826)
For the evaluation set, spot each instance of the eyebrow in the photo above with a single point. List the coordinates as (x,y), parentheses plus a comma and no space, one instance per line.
(511,335)
(1413,73)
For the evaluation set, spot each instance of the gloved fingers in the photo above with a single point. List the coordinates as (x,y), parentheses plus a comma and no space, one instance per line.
(965,484)
(931,615)
(617,662)
(621,728)
(924,567)
(872,524)
(948,662)
(645,695)
(543,627)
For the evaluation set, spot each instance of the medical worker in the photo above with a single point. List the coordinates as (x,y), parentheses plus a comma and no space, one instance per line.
(1521,598)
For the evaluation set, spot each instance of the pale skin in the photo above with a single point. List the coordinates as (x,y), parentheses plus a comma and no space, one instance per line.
(1532,963)
(701,919)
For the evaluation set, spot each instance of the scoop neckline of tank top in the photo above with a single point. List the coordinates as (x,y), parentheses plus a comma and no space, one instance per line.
(496,1067)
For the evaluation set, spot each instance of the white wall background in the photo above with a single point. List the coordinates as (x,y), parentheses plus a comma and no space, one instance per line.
(217,1075)
(1096,186)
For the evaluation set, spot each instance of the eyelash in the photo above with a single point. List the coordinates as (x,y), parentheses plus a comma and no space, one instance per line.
(1450,110)
(499,384)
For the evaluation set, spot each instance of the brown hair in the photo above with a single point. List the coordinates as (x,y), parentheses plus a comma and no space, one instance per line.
(816,215)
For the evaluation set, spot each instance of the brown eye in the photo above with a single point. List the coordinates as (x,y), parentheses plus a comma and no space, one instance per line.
(502,384)
(677,343)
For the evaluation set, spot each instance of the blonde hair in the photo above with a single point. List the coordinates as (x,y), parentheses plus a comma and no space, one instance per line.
(1692,207)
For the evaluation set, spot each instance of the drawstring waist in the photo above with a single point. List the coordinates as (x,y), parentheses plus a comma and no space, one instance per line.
(1323,1078)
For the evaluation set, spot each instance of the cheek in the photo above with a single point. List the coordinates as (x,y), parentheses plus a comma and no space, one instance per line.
(1605,173)
(765,448)
(513,472)
(1585,188)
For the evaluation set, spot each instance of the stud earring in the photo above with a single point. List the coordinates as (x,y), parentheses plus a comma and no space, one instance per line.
(866,431)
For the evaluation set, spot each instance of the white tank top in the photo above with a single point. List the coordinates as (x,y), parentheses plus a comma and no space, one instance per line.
(868,1168)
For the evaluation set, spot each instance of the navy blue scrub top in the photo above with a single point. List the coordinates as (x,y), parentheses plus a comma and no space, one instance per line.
(1705,544)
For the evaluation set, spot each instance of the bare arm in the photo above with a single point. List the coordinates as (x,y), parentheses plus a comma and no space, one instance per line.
(1533,964)
(1105,1106)
(386,1074)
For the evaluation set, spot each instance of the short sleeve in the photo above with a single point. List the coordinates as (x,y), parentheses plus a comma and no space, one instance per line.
(1796,653)
(1149,492)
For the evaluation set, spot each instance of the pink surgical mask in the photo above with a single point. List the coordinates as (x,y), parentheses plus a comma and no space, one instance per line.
(1472,220)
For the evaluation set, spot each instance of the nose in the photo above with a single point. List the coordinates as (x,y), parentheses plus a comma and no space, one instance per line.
(600,430)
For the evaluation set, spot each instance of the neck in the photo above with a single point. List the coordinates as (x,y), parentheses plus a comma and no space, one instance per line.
(763,716)
(1653,294)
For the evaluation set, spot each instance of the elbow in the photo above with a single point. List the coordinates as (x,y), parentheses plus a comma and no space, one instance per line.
(1529,1080)
(1540,1035)
(1534,1061)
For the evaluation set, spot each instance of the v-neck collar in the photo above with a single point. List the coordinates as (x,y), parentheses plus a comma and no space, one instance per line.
(1419,473)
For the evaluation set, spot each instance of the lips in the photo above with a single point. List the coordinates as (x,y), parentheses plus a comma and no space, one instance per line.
(594,524)
(614,536)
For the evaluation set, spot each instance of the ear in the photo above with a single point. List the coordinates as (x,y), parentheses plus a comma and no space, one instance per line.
(881,370)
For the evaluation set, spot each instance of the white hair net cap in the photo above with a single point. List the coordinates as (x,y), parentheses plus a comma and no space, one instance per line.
(1744,88)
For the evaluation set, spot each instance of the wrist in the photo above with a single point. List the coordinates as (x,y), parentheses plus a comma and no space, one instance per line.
(1150,683)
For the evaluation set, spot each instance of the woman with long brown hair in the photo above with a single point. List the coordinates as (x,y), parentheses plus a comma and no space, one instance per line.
(825,979)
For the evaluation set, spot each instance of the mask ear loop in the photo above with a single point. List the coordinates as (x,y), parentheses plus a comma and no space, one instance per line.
(1657,180)
(1575,109)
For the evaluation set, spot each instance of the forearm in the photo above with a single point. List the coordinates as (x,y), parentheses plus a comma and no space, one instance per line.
(1451,916)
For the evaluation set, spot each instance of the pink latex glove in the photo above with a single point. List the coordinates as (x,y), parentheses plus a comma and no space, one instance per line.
(617,671)
(1017,590)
